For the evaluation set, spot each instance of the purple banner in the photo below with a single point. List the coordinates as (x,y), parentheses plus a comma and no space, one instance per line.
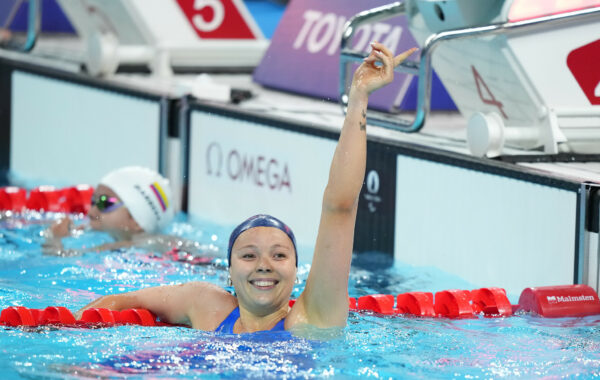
(304,53)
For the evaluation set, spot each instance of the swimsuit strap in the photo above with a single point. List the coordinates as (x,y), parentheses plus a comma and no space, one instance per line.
(280,326)
(227,325)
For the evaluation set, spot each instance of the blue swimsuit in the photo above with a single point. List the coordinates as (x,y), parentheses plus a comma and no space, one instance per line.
(227,325)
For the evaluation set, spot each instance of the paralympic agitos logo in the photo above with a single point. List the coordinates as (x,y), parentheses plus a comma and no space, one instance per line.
(260,170)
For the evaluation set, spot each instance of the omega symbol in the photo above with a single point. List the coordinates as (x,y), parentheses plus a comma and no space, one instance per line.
(214,166)
(373,182)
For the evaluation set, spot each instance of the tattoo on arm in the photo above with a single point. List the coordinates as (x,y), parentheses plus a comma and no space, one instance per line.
(363,121)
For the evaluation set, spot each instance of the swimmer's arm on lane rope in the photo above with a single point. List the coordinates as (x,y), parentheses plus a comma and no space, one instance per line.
(195,303)
(325,297)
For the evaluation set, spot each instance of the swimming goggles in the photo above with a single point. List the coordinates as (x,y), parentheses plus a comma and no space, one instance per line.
(106,203)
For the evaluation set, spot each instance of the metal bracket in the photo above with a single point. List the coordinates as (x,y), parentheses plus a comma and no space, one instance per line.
(33,25)
(349,56)
(423,69)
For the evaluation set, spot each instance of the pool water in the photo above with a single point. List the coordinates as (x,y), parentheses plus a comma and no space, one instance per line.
(523,346)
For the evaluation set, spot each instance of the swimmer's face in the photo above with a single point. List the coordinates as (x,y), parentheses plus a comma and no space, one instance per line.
(263,269)
(117,221)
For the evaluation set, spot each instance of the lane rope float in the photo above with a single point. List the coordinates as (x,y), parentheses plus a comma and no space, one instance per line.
(547,301)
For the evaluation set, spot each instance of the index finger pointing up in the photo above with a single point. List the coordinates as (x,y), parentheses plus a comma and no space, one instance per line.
(402,56)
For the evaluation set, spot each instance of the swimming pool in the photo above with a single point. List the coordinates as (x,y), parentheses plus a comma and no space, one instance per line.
(371,346)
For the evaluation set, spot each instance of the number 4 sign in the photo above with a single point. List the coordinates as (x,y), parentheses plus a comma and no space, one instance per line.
(583,63)
(220,19)
(485,94)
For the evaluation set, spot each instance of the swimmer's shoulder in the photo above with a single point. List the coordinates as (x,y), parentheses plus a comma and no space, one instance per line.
(210,304)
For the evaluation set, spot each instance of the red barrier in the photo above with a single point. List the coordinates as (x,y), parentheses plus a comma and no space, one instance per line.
(38,315)
(17,316)
(416,303)
(453,303)
(550,301)
(78,199)
(352,305)
(140,317)
(56,315)
(560,301)
(75,199)
(379,303)
(100,316)
(491,301)
(46,198)
(12,198)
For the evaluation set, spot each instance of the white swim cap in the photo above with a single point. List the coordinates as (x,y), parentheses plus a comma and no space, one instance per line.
(146,194)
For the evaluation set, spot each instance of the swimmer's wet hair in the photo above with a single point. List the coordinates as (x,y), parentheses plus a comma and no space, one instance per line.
(260,220)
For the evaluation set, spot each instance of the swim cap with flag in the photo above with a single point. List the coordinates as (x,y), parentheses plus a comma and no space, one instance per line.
(146,194)
(260,220)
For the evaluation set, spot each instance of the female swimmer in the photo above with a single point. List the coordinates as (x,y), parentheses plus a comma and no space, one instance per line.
(131,204)
(262,251)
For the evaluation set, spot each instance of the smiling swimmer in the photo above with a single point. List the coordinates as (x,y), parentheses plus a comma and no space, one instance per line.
(264,284)
(262,250)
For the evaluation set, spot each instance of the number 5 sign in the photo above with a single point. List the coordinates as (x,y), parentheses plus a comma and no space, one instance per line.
(220,19)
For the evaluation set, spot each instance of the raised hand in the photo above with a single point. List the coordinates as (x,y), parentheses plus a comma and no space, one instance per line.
(369,76)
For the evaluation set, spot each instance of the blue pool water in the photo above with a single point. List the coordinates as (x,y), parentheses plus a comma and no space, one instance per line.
(524,346)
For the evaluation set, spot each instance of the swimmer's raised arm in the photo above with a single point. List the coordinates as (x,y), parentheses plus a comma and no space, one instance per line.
(325,297)
(198,304)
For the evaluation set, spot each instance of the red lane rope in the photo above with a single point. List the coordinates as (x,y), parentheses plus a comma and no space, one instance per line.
(548,301)
(74,199)
(95,317)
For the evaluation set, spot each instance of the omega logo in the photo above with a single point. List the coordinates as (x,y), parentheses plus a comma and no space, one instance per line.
(373,184)
(245,167)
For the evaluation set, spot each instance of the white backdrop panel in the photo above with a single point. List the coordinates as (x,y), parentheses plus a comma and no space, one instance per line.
(71,133)
(489,230)
(239,168)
